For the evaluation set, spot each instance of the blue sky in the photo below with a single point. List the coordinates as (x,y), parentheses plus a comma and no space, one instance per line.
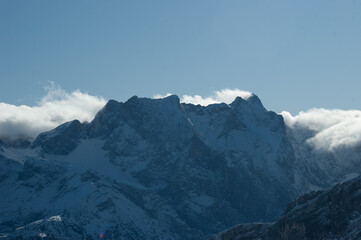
(295,55)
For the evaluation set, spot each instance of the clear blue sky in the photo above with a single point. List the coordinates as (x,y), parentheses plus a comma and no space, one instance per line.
(294,55)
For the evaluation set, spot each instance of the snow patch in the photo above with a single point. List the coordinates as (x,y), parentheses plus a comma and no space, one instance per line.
(42,235)
(90,155)
(19,155)
(55,218)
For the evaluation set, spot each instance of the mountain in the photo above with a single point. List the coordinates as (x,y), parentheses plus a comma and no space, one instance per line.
(320,215)
(156,169)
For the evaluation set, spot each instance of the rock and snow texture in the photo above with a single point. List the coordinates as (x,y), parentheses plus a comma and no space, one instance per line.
(321,215)
(153,169)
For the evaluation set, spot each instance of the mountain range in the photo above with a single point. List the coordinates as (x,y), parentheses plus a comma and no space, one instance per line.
(161,169)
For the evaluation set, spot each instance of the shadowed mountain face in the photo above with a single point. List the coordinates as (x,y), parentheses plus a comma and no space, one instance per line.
(152,169)
(321,215)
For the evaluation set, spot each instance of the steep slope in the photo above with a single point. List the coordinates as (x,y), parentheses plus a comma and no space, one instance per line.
(321,215)
(150,169)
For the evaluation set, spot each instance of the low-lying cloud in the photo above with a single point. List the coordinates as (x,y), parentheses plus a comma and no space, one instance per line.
(55,108)
(222,96)
(332,128)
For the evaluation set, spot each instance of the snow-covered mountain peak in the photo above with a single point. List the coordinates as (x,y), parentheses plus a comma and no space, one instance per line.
(162,106)
(111,106)
(172,99)
(156,169)
(252,102)
(255,101)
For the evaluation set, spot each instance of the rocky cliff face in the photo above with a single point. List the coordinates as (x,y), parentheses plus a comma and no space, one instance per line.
(329,214)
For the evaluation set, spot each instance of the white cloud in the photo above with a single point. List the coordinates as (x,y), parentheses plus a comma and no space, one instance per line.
(333,128)
(222,96)
(55,108)
(158,96)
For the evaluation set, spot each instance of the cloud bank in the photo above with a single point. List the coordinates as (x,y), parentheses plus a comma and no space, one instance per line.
(55,108)
(333,128)
(222,96)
